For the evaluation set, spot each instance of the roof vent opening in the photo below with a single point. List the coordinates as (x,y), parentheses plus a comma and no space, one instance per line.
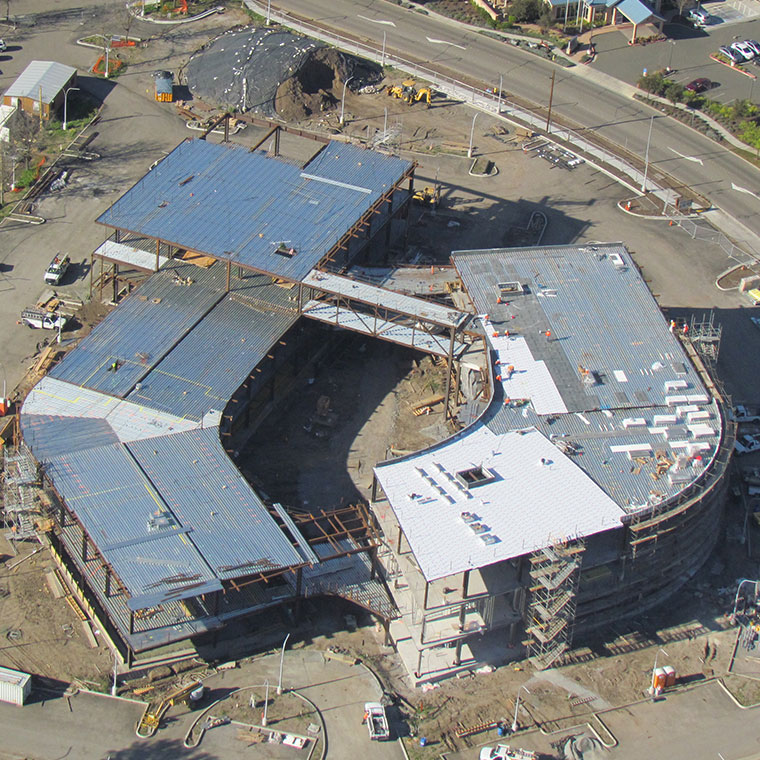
(285,249)
(507,289)
(475,476)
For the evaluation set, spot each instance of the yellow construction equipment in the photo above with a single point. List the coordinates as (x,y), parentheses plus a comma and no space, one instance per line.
(152,717)
(428,196)
(402,91)
(424,93)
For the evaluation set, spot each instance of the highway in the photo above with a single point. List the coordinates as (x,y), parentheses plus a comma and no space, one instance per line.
(728,181)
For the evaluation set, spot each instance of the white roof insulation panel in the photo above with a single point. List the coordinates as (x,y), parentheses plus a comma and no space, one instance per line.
(532,496)
(528,378)
(129,255)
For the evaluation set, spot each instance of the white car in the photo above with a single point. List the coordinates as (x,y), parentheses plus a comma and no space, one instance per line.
(3,46)
(754,44)
(744,50)
(698,17)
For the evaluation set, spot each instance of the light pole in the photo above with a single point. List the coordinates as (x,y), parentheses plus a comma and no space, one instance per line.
(115,661)
(646,159)
(282,658)
(472,134)
(343,100)
(670,57)
(382,63)
(501,84)
(517,707)
(65,104)
(652,690)
(269,11)
(266,704)
(106,48)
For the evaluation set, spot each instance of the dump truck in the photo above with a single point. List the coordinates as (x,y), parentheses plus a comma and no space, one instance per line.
(377,721)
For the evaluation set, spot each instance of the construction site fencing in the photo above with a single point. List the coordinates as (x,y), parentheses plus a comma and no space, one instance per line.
(698,231)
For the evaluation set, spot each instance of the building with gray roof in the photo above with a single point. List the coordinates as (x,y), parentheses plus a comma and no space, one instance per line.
(590,484)
(41,86)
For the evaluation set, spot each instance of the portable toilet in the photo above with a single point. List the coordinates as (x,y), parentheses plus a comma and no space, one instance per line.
(670,675)
(164,86)
(659,680)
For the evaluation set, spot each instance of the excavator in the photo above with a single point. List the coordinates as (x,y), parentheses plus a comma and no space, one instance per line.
(428,196)
(151,719)
(408,92)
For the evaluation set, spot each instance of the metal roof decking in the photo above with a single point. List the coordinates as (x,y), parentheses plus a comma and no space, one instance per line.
(600,315)
(386,299)
(237,205)
(131,525)
(230,525)
(145,327)
(207,366)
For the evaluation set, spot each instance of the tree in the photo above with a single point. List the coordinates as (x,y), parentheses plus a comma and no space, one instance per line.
(674,92)
(751,135)
(526,11)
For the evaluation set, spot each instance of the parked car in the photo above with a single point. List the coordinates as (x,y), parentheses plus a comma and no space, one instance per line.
(698,17)
(3,46)
(733,55)
(754,44)
(57,269)
(699,85)
(744,50)
(505,752)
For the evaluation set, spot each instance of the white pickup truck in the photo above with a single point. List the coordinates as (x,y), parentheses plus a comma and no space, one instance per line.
(43,320)
(57,269)
(376,720)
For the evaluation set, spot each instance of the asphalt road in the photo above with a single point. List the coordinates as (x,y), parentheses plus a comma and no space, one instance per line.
(729,182)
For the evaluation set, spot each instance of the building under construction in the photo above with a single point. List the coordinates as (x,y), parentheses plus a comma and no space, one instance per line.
(585,482)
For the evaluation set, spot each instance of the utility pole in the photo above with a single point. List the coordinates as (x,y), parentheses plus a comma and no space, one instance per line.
(551,97)
(646,159)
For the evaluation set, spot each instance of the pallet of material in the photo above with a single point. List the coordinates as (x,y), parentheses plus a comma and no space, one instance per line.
(198,259)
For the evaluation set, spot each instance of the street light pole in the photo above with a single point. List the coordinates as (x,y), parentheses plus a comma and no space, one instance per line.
(266,703)
(670,57)
(501,84)
(517,707)
(382,63)
(343,100)
(269,11)
(65,104)
(282,658)
(472,134)
(646,159)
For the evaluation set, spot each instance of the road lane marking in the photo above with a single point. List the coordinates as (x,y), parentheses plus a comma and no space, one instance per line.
(376,20)
(444,42)
(739,189)
(688,158)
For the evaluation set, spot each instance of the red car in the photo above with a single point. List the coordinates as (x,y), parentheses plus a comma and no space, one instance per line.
(699,85)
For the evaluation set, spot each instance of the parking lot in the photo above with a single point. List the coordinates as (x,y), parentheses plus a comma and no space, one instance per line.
(687,50)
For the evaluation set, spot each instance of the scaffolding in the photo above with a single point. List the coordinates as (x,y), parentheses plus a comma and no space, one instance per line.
(550,614)
(705,336)
(20,489)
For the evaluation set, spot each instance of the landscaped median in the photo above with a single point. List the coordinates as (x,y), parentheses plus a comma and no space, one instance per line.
(738,67)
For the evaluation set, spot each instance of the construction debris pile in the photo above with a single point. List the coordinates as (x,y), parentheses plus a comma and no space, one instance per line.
(273,72)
